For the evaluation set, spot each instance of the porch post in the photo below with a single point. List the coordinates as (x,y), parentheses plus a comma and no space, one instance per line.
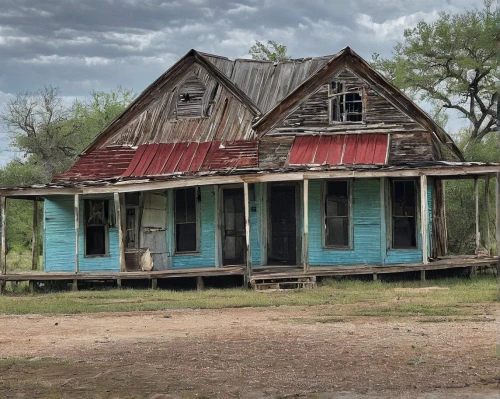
(424,218)
(476,207)
(487,200)
(498,221)
(3,254)
(77,227)
(34,241)
(305,237)
(248,272)
(119,207)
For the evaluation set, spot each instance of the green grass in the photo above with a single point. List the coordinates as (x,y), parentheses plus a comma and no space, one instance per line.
(20,260)
(348,298)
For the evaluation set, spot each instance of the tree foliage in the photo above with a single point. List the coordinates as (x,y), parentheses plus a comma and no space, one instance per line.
(453,62)
(272,51)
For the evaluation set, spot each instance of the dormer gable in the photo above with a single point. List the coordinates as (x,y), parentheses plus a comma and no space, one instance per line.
(190,95)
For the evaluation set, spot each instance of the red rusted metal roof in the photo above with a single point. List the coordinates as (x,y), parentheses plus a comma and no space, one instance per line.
(105,163)
(340,149)
(164,159)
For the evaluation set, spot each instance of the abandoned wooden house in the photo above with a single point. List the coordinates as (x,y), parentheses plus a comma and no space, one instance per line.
(310,167)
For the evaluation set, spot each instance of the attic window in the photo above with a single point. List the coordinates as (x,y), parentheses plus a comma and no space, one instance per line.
(190,98)
(346,103)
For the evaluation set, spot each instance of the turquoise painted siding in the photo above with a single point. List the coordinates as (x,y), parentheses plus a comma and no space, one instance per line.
(107,263)
(206,256)
(366,226)
(413,255)
(255,236)
(59,234)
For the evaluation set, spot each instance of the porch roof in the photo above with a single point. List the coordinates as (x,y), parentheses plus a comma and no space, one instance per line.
(441,169)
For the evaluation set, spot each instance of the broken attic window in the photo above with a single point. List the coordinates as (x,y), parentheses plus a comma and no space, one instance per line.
(96,227)
(190,98)
(346,103)
(184,97)
(404,214)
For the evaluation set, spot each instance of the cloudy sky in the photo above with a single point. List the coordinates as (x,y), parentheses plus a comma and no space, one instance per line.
(84,45)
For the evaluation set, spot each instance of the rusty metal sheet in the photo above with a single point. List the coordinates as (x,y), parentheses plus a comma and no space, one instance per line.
(224,155)
(104,163)
(159,159)
(187,158)
(199,157)
(145,161)
(174,158)
(347,149)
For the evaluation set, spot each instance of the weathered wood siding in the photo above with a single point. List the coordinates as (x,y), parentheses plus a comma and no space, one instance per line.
(256,209)
(223,117)
(366,224)
(59,234)
(59,239)
(274,151)
(410,146)
(206,256)
(369,223)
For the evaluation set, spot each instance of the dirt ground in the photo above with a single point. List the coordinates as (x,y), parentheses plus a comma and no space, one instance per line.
(247,353)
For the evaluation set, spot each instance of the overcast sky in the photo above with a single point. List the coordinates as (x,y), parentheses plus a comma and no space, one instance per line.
(84,45)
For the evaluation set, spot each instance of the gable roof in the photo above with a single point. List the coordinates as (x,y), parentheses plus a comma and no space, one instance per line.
(348,58)
(151,92)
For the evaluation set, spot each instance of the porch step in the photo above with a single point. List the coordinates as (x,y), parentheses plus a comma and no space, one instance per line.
(282,283)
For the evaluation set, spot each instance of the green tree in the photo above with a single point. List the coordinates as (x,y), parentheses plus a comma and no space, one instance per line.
(452,62)
(272,51)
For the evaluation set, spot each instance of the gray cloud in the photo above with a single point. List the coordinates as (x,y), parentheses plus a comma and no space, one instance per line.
(81,46)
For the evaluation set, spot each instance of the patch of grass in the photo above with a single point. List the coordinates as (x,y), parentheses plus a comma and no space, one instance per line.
(347,298)
(20,260)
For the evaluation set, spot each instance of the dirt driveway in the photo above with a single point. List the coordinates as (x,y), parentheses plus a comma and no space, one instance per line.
(246,353)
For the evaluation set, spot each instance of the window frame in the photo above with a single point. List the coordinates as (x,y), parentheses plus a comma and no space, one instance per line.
(334,94)
(106,202)
(390,229)
(324,194)
(197,222)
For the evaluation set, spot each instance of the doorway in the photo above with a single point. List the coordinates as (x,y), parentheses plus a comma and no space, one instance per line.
(233,227)
(282,246)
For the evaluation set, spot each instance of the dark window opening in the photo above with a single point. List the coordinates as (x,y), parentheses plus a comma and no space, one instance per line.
(186,237)
(185,98)
(337,214)
(404,214)
(96,227)
(346,104)
(131,233)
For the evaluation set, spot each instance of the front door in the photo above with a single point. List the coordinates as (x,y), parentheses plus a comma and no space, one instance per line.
(233,227)
(283,238)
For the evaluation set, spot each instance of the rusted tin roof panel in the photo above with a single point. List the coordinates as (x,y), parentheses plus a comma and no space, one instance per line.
(238,154)
(341,149)
(104,163)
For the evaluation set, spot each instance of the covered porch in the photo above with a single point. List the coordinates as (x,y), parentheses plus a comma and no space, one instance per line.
(262,246)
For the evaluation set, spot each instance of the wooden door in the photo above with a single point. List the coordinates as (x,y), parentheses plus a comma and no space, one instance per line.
(153,229)
(283,216)
(233,227)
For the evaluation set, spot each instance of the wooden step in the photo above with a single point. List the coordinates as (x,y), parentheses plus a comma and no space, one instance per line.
(276,283)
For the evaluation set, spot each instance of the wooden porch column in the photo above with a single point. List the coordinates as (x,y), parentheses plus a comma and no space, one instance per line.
(498,221)
(487,200)
(476,207)
(305,237)
(77,228)
(248,272)
(3,243)
(120,216)
(3,254)
(34,247)
(424,209)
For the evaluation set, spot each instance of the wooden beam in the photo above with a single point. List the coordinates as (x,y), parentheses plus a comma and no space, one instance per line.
(154,283)
(248,273)
(476,212)
(498,220)
(77,233)
(422,275)
(383,221)
(424,209)
(218,225)
(488,219)
(3,253)
(34,241)
(120,222)
(305,236)
(200,284)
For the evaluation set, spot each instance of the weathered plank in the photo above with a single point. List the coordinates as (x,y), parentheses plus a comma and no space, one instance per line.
(305,227)
(3,231)
(248,273)
(34,240)
(424,218)
(77,233)
(476,214)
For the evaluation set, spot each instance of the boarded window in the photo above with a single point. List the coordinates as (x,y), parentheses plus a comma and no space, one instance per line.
(190,98)
(404,214)
(186,229)
(96,227)
(337,214)
(346,104)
